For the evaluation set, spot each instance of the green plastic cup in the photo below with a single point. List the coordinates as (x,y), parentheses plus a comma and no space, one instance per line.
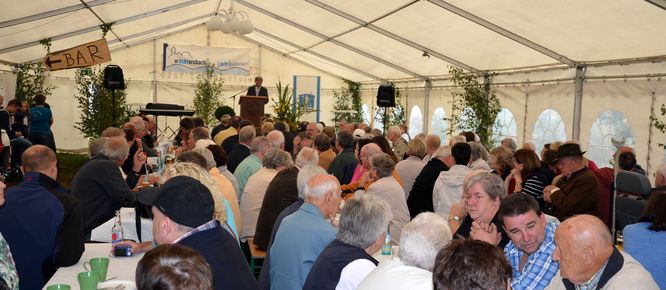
(99,265)
(59,287)
(88,280)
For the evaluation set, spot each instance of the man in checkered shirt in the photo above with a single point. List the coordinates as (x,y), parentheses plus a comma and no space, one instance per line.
(532,242)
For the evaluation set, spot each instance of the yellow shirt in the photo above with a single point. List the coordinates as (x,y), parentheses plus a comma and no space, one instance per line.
(229,194)
(224,134)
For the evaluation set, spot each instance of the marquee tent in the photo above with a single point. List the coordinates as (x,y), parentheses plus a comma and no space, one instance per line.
(582,70)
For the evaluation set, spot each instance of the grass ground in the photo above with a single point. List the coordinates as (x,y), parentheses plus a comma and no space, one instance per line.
(68,165)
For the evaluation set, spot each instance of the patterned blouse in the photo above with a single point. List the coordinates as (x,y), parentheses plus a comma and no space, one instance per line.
(8,275)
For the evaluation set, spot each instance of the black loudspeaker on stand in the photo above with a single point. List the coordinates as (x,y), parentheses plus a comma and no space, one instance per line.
(114,80)
(386,96)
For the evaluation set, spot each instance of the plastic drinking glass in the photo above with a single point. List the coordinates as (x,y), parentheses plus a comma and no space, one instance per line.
(88,280)
(99,265)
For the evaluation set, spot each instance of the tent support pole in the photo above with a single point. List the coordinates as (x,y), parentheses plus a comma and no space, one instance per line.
(578,101)
(426,106)
(154,84)
(527,100)
(651,131)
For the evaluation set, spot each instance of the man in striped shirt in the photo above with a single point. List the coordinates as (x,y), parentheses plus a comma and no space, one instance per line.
(532,242)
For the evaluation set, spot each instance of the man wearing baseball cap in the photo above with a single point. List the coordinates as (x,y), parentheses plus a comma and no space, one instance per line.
(183,214)
(577,191)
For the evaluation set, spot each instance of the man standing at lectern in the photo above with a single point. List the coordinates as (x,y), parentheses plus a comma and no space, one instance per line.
(257,89)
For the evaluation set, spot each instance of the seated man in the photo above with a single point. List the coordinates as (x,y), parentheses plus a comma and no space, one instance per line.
(532,242)
(342,167)
(183,214)
(41,222)
(471,264)
(577,192)
(346,261)
(99,184)
(304,234)
(252,163)
(588,259)
(421,239)
(304,176)
(173,266)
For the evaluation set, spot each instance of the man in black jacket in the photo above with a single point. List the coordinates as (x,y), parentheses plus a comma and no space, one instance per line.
(257,89)
(100,186)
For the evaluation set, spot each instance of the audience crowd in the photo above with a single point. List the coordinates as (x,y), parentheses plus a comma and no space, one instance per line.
(321,202)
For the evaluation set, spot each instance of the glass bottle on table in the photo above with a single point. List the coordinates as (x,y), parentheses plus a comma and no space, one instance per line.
(117,230)
(387,248)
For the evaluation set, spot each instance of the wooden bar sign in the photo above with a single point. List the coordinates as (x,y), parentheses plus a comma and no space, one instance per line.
(88,54)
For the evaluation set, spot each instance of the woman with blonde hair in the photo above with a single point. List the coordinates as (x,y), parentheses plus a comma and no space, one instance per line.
(222,211)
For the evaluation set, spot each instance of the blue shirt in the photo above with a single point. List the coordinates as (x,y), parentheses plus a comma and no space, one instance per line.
(540,267)
(647,247)
(39,120)
(299,241)
(250,165)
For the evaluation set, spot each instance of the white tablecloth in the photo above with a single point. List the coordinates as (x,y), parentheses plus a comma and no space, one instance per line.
(121,267)
(127,219)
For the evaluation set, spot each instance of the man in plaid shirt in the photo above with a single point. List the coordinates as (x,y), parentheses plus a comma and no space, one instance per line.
(532,242)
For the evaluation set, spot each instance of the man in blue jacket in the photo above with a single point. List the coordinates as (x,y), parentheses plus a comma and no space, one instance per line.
(41,222)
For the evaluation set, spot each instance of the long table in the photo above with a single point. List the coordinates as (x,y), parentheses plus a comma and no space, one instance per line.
(121,267)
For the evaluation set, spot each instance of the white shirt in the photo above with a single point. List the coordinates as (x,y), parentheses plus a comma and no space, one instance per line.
(354,273)
(394,275)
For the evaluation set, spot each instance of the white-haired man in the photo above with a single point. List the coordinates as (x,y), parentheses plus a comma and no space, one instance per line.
(304,234)
(276,138)
(421,239)
(281,192)
(304,176)
(348,259)
(100,186)
(399,144)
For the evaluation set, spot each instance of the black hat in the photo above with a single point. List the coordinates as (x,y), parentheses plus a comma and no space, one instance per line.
(566,150)
(182,199)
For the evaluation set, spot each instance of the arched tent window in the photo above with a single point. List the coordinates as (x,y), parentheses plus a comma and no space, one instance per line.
(379,115)
(438,125)
(505,126)
(549,127)
(366,113)
(609,125)
(415,121)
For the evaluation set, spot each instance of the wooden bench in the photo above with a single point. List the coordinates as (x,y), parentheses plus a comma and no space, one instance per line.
(255,254)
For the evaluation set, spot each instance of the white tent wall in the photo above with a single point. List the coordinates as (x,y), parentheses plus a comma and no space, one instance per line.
(142,66)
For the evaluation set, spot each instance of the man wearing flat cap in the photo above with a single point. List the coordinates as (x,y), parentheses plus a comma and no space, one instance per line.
(183,214)
(577,191)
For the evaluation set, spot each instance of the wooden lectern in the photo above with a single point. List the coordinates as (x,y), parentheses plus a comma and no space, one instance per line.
(252,108)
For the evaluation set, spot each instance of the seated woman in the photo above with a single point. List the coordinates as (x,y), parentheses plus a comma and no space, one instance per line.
(477,216)
(645,239)
(527,174)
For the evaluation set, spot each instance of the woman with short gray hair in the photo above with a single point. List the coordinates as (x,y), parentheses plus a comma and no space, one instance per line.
(482,195)
(421,239)
(275,160)
(387,188)
(410,167)
(348,259)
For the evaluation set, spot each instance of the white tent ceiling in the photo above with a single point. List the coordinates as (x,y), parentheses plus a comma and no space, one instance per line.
(371,39)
